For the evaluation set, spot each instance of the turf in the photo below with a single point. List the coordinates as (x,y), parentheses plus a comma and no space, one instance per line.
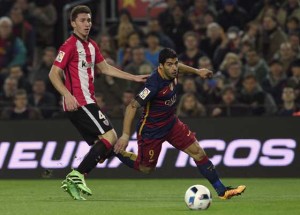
(145,197)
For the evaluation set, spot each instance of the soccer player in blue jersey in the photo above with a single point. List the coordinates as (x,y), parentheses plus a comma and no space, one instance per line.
(159,123)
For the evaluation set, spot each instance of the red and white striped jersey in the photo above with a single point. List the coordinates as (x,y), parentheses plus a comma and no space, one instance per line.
(78,59)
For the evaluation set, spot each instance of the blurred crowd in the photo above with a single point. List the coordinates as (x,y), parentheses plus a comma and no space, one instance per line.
(252,47)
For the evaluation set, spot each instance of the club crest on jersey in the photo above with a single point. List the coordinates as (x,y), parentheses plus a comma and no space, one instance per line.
(144,93)
(60,56)
(171,101)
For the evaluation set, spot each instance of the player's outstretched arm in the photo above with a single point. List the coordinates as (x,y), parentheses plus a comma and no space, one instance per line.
(107,69)
(56,78)
(127,122)
(203,73)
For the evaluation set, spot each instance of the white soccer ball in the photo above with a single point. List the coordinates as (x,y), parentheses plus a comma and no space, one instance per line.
(198,197)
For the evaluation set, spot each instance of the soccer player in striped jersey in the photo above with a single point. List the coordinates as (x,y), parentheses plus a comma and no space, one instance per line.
(72,74)
(159,123)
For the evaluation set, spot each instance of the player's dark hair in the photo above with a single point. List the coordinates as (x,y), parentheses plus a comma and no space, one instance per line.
(79,9)
(165,54)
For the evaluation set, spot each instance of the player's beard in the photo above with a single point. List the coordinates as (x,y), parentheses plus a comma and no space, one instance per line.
(173,74)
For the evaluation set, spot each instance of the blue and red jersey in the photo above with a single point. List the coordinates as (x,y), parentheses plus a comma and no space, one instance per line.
(158,97)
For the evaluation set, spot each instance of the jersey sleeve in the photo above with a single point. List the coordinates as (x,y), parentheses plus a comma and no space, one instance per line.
(98,56)
(64,56)
(148,92)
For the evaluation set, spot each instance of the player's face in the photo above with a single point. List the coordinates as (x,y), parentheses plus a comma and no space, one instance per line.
(82,25)
(170,68)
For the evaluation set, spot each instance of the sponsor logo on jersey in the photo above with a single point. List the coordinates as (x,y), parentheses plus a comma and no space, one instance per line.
(171,101)
(86,64)
(60,56)
(144,93)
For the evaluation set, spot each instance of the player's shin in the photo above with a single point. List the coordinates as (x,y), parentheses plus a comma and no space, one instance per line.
(97,151)
(207,169)
(129,159)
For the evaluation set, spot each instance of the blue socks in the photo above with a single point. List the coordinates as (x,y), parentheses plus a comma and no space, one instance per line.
(128,158)
(207,169)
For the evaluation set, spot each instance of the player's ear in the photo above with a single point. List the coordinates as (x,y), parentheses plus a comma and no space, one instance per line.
(73,24)
(161,66)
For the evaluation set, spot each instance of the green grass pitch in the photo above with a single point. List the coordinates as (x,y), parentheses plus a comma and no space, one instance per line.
(146,197)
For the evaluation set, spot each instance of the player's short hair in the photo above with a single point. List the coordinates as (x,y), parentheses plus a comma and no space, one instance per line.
(79,9)
(165,54)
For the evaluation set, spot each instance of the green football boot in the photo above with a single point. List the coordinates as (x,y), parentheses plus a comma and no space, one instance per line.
(72,190)
(77,178)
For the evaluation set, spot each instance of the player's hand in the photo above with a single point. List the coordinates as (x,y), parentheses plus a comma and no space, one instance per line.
(71,102)
(205,73)
(121,144)
(141,78)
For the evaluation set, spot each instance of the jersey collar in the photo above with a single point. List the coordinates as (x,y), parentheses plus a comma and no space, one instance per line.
(81,40)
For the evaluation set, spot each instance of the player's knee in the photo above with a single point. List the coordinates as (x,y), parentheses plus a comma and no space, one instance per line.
(199,156)
(146,170)
(197,153)
(111,136)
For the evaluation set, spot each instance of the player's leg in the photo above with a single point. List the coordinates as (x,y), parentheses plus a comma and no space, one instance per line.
(100,148)
(130,160)
(205,167)
(146,159)
(98,133)
(208,170)
(183,139)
